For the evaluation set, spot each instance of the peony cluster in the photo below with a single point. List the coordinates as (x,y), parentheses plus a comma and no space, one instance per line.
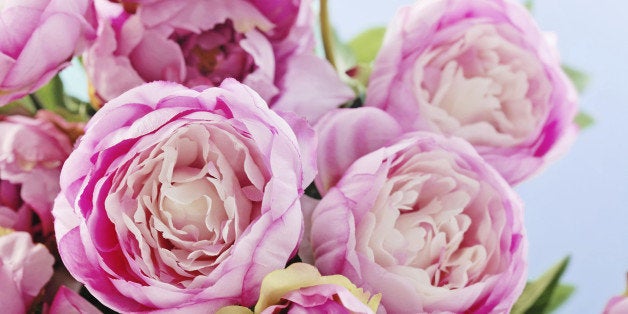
(226,167)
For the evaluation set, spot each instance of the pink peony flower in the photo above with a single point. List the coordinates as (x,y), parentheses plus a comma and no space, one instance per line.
(617,305)
(481,70)
(265,45)
(67,301)
(182,199)
(427,223)
(32,151)
(300,288)
(24,270)
(37,39)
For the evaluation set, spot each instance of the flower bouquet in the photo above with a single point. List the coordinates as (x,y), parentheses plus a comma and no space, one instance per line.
(233,159)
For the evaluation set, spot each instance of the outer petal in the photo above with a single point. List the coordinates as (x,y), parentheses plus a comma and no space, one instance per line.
(302,81)
(617,305)
(32,152)
(348,134)
(26,267)
(38,39)
(68,301)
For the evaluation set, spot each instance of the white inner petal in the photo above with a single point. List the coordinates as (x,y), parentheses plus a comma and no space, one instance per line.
(189,203)
(483,88)
(182,201)
(430,221)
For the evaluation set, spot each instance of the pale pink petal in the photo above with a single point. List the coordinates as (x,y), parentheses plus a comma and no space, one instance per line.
(311,88)
(68,301)
(346,135)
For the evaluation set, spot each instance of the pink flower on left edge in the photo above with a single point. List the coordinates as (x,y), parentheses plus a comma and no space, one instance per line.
(37,39)
(182,199)
(32,151)
(268,46)
(481,70)
(25,268)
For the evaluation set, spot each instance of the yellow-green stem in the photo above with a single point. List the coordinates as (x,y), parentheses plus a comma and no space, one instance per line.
(327,33)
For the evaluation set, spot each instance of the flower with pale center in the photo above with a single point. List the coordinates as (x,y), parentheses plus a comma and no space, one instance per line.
(429,225)
(182,199)
(482,71)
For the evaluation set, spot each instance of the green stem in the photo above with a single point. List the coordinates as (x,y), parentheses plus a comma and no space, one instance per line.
(327,33)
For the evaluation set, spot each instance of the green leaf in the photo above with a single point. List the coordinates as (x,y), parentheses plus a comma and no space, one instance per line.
(537,294)
(579,78)
(560,295)
(366,45)
(529,4)
(584,120)
(19,107)
(52,95)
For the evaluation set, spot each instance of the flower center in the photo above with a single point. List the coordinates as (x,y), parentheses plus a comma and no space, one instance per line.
(129,7)
(482,87)
(421,224)
(10,195)
(214,55)
(187,199)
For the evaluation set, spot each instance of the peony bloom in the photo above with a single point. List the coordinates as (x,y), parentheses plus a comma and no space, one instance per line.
(481,70)
(427,223)
(180,199)
(38,39)
(24,270)
(268,46)
(617,305)
(32,151)
(67,301)
(300,288)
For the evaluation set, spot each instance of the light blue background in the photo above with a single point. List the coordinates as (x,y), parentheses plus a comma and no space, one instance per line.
(579,205)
